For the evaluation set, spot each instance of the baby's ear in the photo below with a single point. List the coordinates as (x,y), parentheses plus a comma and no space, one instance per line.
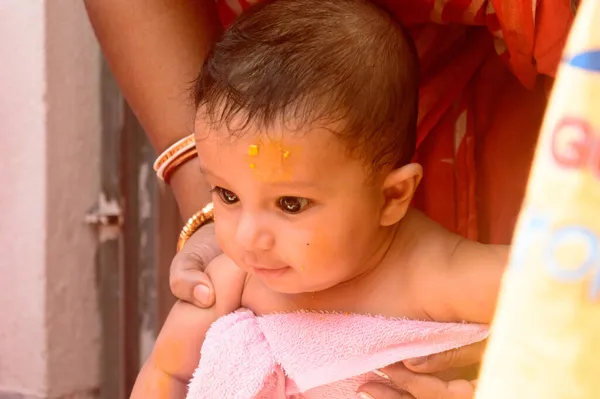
(399,188)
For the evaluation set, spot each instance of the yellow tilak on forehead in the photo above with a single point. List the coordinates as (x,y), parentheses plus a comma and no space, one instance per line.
(267,161)
(253,150)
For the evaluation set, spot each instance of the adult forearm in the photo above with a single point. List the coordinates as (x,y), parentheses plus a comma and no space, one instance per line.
(155,50)
(190,189)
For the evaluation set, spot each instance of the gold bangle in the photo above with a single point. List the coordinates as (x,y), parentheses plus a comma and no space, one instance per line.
(173,154)
(199,219)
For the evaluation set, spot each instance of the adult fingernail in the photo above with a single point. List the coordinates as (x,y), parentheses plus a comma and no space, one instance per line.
(417,361)
(364,395)
(382,374)
(201,293)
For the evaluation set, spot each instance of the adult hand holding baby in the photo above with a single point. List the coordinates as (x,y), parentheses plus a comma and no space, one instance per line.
(414,378)
(417,379)
(187,279)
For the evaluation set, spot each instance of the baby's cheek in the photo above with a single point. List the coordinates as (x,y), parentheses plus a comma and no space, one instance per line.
(318,250)
(225,235)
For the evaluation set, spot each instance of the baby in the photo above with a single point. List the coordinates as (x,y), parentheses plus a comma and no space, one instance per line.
(306,129)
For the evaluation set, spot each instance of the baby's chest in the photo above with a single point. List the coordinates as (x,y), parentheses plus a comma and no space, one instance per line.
(385,301)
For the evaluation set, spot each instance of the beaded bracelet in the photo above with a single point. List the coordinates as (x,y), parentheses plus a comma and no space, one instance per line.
(199,219)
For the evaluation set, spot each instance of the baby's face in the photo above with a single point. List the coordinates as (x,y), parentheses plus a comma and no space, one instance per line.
(292,208)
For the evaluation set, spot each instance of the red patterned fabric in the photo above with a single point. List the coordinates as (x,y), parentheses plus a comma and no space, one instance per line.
(477,123)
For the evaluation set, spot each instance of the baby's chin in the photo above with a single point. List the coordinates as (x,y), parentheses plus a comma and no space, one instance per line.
(295,285)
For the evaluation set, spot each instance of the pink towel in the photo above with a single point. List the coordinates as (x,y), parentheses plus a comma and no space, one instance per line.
(313,355)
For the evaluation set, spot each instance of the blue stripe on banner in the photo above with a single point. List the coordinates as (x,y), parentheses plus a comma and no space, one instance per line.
(589,60)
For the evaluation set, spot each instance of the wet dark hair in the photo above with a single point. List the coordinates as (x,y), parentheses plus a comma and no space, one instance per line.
(343,64)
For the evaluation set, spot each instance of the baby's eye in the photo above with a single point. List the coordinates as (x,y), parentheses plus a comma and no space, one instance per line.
(228,197)
(293,204)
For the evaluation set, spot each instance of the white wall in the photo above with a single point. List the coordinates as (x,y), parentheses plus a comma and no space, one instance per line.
(49,178)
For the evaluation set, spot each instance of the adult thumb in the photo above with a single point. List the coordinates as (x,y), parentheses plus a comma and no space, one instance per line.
(189,283)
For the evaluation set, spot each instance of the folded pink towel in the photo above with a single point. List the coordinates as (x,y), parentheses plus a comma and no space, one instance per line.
(313,355)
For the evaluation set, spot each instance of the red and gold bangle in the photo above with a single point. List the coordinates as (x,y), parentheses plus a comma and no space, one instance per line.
(199,219)
(177,162)
(174,156)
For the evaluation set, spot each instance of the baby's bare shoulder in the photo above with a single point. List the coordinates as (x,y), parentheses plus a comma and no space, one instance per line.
(452,278)
(235,288)
(468,283)
(228,281)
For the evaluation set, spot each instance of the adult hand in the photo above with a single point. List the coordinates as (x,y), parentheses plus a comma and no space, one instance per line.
(187,279)
(414,379)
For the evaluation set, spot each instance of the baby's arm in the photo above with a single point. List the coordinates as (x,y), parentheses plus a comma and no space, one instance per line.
(176,353)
